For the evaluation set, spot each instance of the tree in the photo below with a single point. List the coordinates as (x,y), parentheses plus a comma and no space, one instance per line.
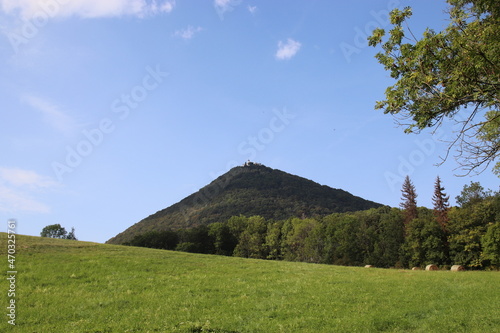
(409,204)
(196,240)
(452,74)
(56,231)
(251,242)
(424,242)
(387,251)
(341,240)
(71,235)
(274,237)
(165,239)
(491,244)
(467,226)
(224,241)
(472,194)
(441,204)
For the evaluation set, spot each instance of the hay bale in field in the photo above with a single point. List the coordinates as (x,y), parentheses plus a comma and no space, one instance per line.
(431,268)
(369,266)
(457,268)
(416,269)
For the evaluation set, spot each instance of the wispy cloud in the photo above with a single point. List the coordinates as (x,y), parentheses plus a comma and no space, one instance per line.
(28,9)
(12,201)
(167,6)
(187,33)
(52,114)
(252,9)
(287,50)
(223,6)
(26,178)
(17,187)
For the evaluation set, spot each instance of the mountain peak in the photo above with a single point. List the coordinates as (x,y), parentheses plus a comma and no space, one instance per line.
(250,189)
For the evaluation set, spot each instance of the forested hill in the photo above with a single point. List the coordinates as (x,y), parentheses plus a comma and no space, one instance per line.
(252,189)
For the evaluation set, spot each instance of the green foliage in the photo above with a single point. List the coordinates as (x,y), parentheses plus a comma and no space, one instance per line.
(409,201)
(302,241)
(224,240)
(467,227)
(390,228)
(274,239)
(472,194)
(251,242)
(56,231)
(342,246)
(195,240)
(441,204)
(444,73)
(188,247)
(491,243)
(424,243)
(166,240)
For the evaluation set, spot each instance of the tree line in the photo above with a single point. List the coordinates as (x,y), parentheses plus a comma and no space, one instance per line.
(405,237)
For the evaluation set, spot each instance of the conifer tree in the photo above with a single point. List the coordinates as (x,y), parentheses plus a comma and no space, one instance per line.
(441,204)
(409,204)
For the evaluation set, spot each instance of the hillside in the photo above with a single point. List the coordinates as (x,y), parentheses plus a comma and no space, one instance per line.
(91,287)
(252,189)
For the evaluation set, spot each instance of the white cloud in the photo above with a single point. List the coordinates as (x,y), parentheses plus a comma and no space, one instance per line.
(52,114)
(223,6)
(287,50)
(252,9)
(26,178)
(187,33)
(13,201)
(167,7)
(29,9)
(17,187)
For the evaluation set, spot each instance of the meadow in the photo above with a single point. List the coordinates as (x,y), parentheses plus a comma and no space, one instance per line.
(73,286)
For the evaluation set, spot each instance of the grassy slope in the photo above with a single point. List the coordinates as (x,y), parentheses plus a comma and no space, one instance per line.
(69,286)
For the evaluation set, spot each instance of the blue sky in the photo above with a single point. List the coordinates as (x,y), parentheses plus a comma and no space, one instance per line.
(114,110)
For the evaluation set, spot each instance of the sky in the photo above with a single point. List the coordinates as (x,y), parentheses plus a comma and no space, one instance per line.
(113,110)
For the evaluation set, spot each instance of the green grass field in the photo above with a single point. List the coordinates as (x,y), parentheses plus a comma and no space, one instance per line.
(70,286)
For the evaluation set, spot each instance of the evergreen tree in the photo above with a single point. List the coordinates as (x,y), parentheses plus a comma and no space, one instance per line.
(441,204)
(409,204)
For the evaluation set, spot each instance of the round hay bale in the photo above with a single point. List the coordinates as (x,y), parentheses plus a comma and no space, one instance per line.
(431,268)
(416,269)
(457,268)
(369,266)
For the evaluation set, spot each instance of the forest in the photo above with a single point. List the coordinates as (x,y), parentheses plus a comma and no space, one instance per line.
(410,236)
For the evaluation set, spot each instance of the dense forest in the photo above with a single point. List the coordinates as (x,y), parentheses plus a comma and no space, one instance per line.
(405,237)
